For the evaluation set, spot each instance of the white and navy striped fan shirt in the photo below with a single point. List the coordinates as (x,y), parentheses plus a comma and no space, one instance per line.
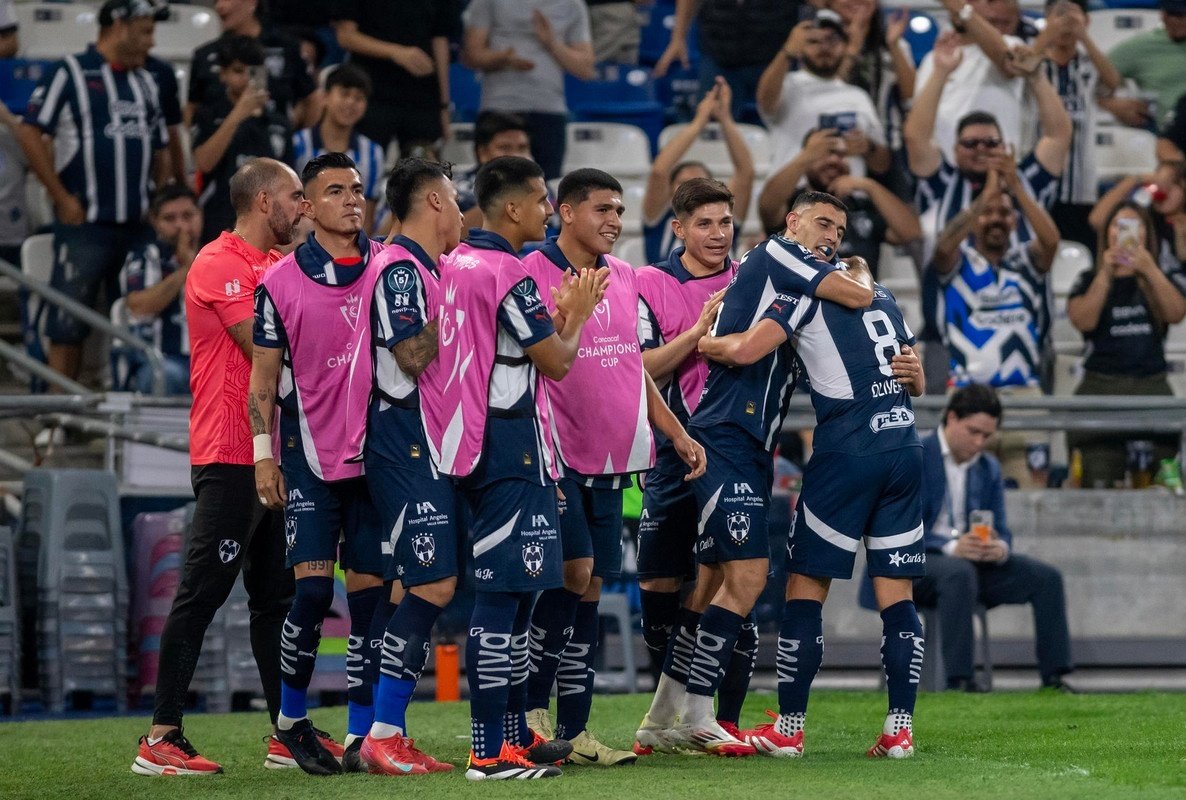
(1077,83)
(106,125)
(366,155)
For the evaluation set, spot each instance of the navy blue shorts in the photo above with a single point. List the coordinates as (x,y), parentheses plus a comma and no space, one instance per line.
(419,517)
(591,526)
(327,521)
(847,498)
(733,496)
(667,527)
(515,536)
(86,258)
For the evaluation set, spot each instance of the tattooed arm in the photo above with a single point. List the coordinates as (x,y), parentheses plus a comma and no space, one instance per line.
(415,353)
(261,406)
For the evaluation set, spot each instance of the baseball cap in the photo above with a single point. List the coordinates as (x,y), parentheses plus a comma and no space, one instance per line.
(8,21)
(827,18)
(114,10)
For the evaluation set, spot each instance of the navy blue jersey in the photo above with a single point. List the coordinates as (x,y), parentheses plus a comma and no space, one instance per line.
(754,397)
(859,407)
(147,265)
(658,239)
(106,125)
(399,311)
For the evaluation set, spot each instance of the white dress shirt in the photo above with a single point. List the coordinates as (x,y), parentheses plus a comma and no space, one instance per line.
(953,514)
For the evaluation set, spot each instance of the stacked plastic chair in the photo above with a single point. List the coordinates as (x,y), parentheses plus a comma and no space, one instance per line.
(10,639)
(70,535)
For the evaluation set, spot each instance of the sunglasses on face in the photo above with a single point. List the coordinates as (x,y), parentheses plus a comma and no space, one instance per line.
(987,143)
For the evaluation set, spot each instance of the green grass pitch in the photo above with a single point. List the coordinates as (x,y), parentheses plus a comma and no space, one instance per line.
(1005,745)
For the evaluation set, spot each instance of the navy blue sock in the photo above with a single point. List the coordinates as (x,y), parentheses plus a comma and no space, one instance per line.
(574,678)
(660,613)
(551,625)
(715,639)
(514,725)
(800,652)
(299,640)
(359,653)
(488,668)
(735,684)
(683,642)
(901,655)
(405,649)
(383,611)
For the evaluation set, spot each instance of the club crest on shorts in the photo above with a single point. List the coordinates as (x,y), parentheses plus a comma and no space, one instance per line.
(738,525)
(227,550)
(290,526)
(425,548)
(533,558)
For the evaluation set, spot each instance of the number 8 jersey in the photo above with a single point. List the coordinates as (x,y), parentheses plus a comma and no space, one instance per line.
(859,407)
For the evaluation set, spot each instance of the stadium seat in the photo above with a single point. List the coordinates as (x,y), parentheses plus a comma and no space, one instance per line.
(615,606)
(658,20)
(37,263)
(1109,27)
(710,148)
(632,250)
(74,582)
(10,630)
(51,30)
(934,677)
(678,92)
(1122,151)
(623,149)
(459,150)
(618,94)
(465,92)
(186,27)
(1072,258)
(632,194)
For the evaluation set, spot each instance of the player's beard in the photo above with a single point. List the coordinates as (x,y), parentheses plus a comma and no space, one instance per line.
(283,230)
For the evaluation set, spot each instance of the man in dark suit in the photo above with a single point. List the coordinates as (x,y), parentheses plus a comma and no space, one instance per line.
(963,569)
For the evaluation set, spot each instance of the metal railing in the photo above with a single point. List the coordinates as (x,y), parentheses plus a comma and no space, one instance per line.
(156,361)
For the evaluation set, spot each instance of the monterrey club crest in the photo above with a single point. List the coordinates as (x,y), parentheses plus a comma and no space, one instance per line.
(533,558)
(738,525)
(425,548)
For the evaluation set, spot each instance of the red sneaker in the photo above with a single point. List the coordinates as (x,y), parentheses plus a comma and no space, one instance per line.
(390,756)
(768,741)
(172,755)
(427,761)
(900,745)
(279,756)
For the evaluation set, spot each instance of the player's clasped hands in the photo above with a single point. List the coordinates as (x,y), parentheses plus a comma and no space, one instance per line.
(580,292)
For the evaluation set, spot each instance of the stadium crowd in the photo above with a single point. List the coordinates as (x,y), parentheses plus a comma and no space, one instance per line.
(308,155)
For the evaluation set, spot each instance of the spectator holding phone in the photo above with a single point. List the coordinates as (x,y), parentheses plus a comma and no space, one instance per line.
(1123,306)
(235,128)
(1163,193)
(802,89)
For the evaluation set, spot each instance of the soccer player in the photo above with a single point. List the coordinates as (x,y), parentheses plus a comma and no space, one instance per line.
(416,503)
(312,358)
(678,302)
(862,482)
(602,414)
(490,431)
(230,530)
(737,421)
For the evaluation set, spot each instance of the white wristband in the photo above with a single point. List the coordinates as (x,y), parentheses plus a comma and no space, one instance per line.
(262,443)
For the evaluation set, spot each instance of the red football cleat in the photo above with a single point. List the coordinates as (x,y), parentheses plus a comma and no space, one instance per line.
(172,755)
(900,745)
(390,756)
(768,741)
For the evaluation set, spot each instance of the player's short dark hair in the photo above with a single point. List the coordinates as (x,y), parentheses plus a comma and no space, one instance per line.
(976,118)
(975,398)
(408,178)
(502,175)
(168,193)
(696,192)
(319,164)
(245,49)
(576,186)
(349,76)
(257,175)
(681,166)
(491,123)
(811,198)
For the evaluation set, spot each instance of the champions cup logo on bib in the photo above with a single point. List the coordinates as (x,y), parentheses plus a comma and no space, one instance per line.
(350,311)
(601,314)
(896,417)
(533,558)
